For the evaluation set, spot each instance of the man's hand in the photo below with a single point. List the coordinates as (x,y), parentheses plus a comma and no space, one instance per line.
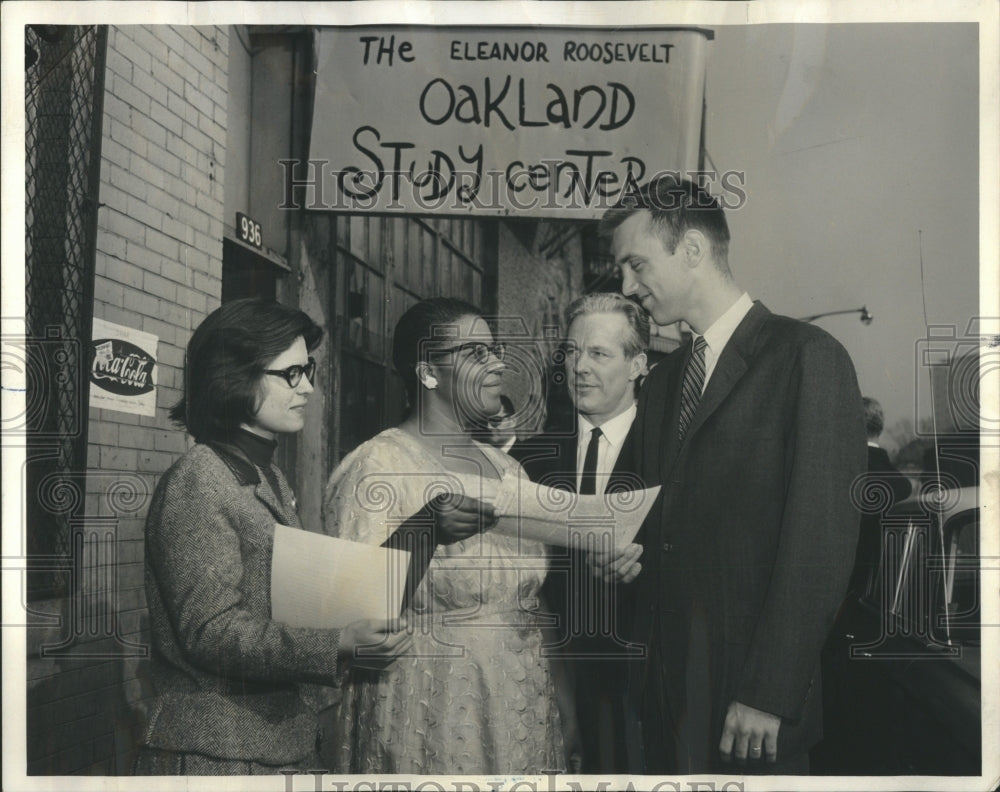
(374,643)
(749,733)
(618,565)
(458,517)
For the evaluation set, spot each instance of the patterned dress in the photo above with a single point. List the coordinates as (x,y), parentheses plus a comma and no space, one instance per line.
(474,695)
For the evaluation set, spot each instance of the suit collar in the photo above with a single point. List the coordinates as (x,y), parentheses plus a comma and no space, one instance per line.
(732,365)
(247,474)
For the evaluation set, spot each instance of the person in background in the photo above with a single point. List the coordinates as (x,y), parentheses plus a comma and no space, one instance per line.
(755,432)
(475,696)
(605,355)
(884,485)
(227,676)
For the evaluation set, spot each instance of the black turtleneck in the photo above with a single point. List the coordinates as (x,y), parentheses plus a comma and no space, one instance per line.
(258,450)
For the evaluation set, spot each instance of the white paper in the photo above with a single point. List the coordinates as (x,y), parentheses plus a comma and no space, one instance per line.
(556,516)
(323,581)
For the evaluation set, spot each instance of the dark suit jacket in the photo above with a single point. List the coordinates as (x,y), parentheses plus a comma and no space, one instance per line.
(569,590)
(225,673)
(747,557)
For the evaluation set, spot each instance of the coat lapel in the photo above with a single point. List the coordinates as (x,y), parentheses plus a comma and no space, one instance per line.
(732,365)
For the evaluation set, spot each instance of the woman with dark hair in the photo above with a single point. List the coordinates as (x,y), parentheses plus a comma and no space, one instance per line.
(474,695)
(227,676)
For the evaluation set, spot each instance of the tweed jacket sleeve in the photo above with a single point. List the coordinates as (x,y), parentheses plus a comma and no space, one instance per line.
(209,542)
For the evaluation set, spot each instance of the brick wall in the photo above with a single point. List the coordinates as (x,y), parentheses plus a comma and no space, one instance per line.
(158,269)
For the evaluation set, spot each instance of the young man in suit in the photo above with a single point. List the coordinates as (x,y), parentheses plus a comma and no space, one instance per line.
(755,431)
(605,357)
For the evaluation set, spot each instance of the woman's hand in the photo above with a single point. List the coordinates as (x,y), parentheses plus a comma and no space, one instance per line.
(374,643)
(458,517)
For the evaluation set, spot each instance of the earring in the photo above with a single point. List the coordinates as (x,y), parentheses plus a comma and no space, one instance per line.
(430,382)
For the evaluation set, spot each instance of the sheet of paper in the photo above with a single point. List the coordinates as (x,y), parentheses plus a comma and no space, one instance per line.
(322,581)
(558,517)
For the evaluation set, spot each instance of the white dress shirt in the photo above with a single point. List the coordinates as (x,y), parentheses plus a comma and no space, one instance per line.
(613,433)
(718,335)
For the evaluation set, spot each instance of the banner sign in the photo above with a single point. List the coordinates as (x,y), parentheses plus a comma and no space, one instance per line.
(542,122)
(123,369)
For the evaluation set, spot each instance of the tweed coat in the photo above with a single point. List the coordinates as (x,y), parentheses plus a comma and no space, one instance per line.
(747,557)
(226,675)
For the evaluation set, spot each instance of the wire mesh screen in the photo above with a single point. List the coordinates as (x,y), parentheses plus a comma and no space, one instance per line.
(64,89)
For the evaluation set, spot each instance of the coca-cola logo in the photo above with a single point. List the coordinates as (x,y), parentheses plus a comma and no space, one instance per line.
(121,367)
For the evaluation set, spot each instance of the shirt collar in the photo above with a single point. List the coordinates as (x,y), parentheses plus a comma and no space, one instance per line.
(614,429)
(722,329)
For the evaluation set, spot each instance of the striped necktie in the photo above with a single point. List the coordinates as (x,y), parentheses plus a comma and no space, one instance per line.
(694,379)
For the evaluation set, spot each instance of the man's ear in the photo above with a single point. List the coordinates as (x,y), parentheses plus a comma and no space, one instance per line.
(695,246)
(637,366)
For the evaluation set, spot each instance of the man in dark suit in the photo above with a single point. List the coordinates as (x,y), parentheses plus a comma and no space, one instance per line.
(755,431)
(605,356)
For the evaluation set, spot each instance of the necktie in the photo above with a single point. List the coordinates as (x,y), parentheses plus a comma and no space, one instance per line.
(588,478)
(694,378)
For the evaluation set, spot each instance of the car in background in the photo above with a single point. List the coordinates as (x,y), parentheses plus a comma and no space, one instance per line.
(902,666)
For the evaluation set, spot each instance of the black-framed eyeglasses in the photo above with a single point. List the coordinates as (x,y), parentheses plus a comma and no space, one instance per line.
(293,374)
(480,350)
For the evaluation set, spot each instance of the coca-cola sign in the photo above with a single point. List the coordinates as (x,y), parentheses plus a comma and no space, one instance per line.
(121,367)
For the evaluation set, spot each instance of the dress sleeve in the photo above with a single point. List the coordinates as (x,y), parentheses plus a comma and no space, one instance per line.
(372,492)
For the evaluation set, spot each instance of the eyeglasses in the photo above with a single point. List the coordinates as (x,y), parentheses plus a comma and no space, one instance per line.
(293,374)
(480,350)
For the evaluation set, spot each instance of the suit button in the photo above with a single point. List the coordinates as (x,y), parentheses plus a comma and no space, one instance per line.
(667,547)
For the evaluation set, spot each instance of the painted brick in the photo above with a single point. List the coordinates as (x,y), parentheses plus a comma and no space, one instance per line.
(162,115)
(161,287)
(176,314)
(171,37)
(175,271)
(148,172)
(160,243)
(164,160)
(209,203)
(171,442)
(177,230)
(177,64)
(142,212)
(112,198)
(119,458)
(128,48)
(197,61)
(195,300)
(160,329)
(195,218)
(219,94)
(151,42)
(117,63)
(215,131)
(111,244)
(220,115)
(121,178)
(171,355)
(166,202)
(110,292)
(199,140)
(141,302)
(149,129)
(102,434)
(121,131)
(126,273)
(128,93)
(206,283)
(142,257)
(181,148)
